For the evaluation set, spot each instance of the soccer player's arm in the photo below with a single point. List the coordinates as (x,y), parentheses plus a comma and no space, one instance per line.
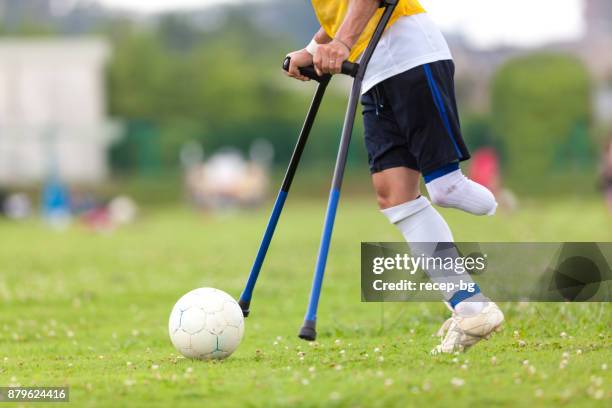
(321,37)
(330,56)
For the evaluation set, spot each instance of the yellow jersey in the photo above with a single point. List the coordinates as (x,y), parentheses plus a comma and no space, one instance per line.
(330,14)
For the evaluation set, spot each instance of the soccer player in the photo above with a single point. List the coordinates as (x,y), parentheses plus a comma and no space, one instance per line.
(411,130)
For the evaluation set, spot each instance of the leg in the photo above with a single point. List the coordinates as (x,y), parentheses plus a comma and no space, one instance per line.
(405,129)
(423,228)
(474,316)
(399,144)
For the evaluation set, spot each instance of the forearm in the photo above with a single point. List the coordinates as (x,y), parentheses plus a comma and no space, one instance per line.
(357,18)
(321,37)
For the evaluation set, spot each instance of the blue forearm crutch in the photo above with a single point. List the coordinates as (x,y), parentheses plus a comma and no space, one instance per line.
(308,330)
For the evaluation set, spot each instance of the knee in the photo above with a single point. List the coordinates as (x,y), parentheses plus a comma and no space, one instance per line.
(384,199)
(396,186)
(389,198)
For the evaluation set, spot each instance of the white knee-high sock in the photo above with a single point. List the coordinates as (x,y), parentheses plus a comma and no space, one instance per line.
(419,221)
(423,227)
(454,190)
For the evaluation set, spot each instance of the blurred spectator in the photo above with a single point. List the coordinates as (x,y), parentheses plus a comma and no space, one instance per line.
(227,180)
(16,206)
(56,203)
(120,211)
(484,170)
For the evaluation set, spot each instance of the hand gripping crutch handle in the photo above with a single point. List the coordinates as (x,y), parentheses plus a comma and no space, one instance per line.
(348,68)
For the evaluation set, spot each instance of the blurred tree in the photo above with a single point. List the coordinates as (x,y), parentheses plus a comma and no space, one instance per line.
(208,85)
(177,33)
(477,131)
(135,74)
(538,103)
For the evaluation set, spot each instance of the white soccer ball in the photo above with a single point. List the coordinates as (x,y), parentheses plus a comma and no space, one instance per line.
(206,324)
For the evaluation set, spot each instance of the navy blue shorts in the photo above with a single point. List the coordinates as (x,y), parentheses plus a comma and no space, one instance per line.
(411,120)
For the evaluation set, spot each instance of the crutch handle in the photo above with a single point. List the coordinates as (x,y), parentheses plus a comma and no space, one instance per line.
(348,68)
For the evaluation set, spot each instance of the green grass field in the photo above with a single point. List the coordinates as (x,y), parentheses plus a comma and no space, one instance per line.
(90,311)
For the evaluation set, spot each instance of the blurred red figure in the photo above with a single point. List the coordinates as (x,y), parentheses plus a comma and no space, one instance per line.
(485,169)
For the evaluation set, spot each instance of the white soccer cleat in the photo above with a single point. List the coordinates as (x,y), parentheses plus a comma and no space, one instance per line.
(460,333)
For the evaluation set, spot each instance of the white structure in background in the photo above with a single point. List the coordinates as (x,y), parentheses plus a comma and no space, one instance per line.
(227,180)
(52,110)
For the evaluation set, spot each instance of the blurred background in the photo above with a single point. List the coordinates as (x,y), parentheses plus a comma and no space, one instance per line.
(108,106)
(142,143)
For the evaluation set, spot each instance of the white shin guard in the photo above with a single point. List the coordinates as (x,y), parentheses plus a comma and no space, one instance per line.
(419,221)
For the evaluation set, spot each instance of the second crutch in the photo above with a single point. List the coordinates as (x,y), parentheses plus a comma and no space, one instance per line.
(308,330)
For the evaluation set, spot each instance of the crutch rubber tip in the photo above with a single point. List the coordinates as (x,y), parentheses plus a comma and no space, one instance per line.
(244,305)
(308,332)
